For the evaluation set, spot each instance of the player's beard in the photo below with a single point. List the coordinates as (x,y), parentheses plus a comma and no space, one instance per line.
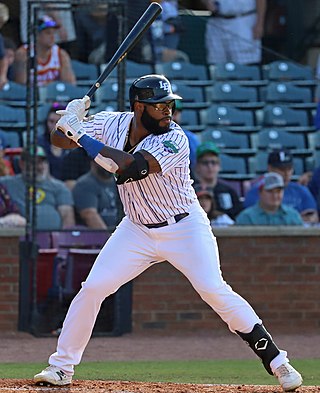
(152,125)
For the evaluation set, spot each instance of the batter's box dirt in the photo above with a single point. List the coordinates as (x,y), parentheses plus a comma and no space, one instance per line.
(24,385)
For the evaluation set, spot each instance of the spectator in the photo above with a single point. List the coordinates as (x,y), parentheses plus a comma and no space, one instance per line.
(192,138)
(54,201)
(4,17)
(54,154)
(93,34)
(10,48)
(97,200)
(172,24)
(75,163)
(6,167)
(9,212)
(53,63)
(207,172)
(269,210)
(207,202)
(295,195)
(234,31)
(314,186)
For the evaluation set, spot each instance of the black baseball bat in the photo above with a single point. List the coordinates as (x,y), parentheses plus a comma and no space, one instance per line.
(128,43)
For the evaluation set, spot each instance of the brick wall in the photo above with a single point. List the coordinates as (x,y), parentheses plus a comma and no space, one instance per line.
(276,269)
(9,279)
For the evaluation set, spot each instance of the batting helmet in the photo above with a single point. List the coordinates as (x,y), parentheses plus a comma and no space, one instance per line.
(151,89)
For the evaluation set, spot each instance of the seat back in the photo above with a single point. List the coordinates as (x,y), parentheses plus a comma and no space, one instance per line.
(283,116)
(232,92)
(226,115)
(184,70)
(234,71)
(287,92)
(287,70)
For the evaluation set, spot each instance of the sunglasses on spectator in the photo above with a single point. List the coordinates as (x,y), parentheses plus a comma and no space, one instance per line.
(161,106)
(209,162)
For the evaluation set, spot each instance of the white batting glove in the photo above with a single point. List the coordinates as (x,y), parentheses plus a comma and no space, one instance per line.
(79,107)
(70,125)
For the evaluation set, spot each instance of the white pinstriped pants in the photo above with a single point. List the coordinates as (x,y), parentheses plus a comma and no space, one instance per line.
(188,245)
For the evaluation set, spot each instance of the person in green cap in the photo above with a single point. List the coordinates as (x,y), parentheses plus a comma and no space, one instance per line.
(207,174)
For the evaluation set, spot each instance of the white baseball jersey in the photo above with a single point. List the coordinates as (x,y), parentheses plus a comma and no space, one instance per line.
(159,196)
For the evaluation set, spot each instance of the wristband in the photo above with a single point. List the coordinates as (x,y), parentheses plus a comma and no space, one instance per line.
(91,145)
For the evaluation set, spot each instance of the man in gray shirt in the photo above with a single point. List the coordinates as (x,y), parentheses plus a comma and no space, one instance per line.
(96,199)
(54,201)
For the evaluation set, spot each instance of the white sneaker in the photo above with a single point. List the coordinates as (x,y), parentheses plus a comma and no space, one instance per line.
(52,375)
(288,377)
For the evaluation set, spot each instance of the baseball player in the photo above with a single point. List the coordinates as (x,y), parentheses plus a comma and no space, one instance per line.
(149,156)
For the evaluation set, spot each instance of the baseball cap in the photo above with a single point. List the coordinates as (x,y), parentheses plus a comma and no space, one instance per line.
(271,180)
(40,152)
(46,23)
(280,158)
(207,147)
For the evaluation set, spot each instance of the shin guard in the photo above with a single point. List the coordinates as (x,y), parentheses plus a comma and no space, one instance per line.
(260,341)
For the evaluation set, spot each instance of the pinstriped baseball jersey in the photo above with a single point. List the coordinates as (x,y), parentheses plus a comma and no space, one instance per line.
(159,196)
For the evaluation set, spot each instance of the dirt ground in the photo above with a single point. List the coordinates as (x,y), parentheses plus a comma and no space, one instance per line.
(21,347)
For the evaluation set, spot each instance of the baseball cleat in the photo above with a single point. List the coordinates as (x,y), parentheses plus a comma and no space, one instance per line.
(52,375)
(288,377)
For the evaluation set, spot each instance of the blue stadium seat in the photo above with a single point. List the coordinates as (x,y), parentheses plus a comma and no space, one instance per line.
(283,116)
(268,139)
(287,70)
(289,94)
(85,73)
(228,142)
(234,93)
(193,96)
(234,71)
(13,94)
(194,73)
(227,116)
(61,91)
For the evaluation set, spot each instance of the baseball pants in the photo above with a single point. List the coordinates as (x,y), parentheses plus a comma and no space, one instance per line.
(188,245)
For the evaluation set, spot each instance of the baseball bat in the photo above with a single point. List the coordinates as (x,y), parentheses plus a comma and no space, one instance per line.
(128,43)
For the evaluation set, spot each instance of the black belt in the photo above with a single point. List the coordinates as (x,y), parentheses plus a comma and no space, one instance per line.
(177,218)
(233,16)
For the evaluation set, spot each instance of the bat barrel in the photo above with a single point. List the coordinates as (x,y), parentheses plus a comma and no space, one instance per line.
(128,43)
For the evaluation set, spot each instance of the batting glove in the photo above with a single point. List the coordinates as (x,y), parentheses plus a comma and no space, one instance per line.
(70,125)
(78,107)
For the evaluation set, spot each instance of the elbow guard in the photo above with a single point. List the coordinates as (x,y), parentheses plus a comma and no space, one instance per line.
(137,170)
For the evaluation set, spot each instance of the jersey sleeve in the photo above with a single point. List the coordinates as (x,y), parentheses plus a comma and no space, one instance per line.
(108,127)
(170,150)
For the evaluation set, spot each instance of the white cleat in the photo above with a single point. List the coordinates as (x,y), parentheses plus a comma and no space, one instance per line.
(288,377)
(52,375)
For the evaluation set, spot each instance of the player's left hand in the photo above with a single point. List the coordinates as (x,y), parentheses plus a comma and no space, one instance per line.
(70,125)
(79,107)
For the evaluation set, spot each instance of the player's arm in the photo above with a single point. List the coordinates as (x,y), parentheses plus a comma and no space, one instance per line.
(128,167)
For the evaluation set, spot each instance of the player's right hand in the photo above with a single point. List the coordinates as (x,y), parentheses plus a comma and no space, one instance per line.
(70,125)
(79,107)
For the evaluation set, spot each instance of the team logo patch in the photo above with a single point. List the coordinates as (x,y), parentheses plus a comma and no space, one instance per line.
(165,86)
(170,146)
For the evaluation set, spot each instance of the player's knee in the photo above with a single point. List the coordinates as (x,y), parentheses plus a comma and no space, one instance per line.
(217,297)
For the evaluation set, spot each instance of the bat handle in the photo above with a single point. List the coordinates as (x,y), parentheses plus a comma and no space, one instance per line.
(93,89)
